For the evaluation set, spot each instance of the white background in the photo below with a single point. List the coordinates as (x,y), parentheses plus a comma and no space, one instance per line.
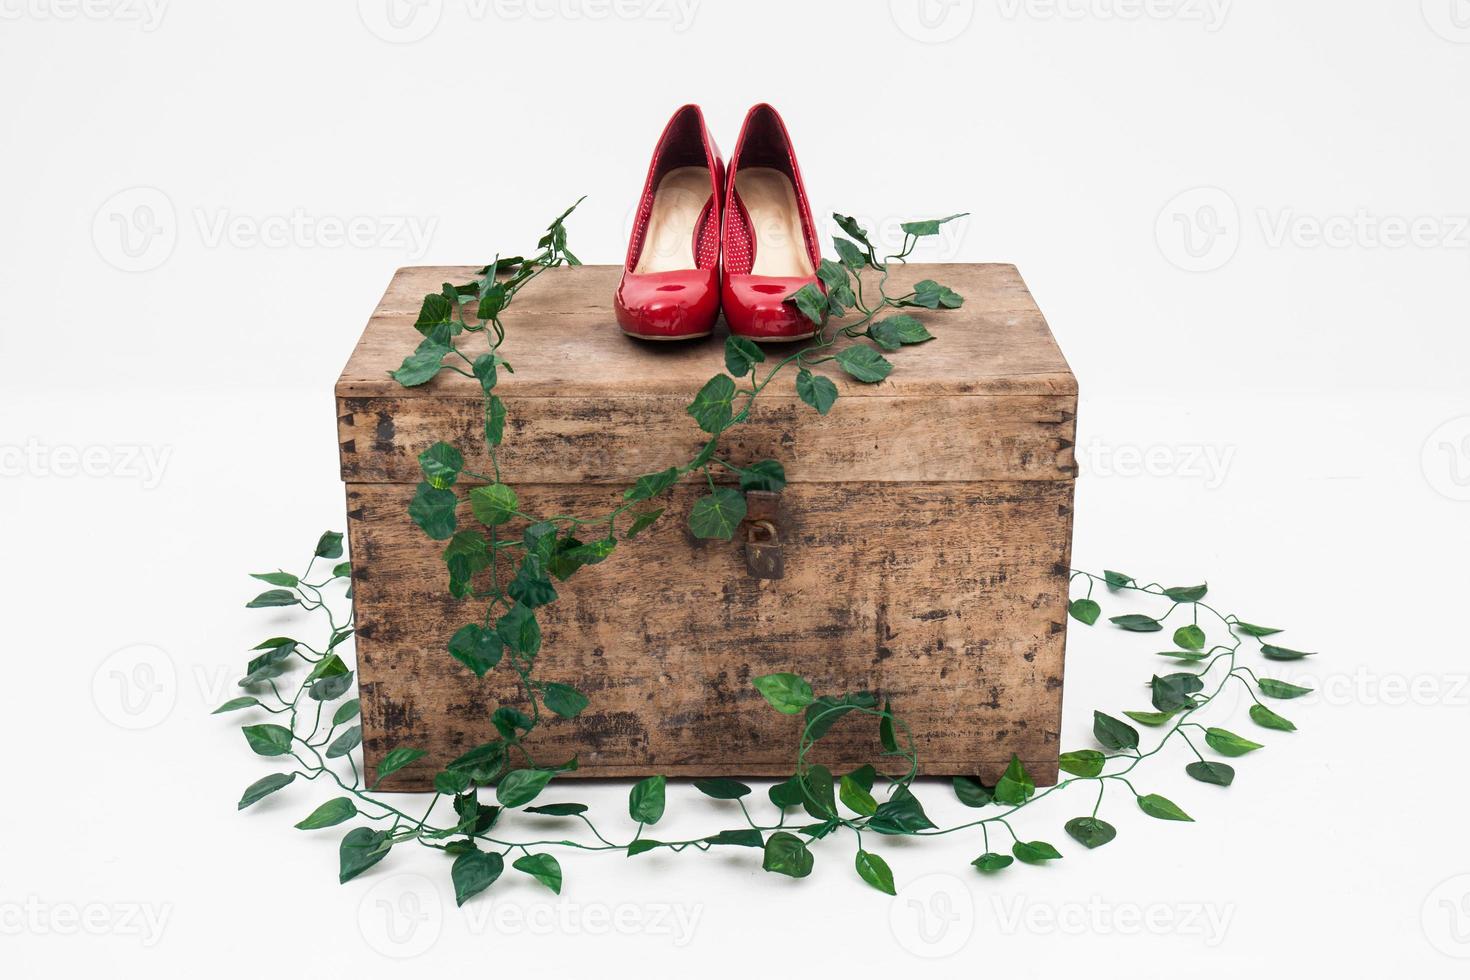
(1246,222)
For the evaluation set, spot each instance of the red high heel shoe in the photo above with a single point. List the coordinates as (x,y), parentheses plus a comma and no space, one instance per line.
(670,288)
(770,245)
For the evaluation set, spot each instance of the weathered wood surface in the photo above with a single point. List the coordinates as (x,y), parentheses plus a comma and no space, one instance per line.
(948,598)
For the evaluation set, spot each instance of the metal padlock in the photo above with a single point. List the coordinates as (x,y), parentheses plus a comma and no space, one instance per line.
(763,556)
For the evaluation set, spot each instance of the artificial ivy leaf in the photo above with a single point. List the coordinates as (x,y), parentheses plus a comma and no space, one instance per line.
(1254,630)
(330,688)
(476,647)
(787,793)
(652,484)
(768,475)
(1116,580)
(1090,832)
(329,814)
(493,504)
(543,867)
(818,392)
(420,366)
(342,570)
(531,584)
(482,763)
(722,789)
(433,511)
(818,798)
(1136,623)
(1016,785)
(641,523)
(273,597)
(646,800)
(590,553)
(467,554)
(1084,610)
(494,420)
(521,786)
(563,699)
(264,787)
(851,227)
(811,302)
(329,545)
(1266,718)
(1228,743)
(519,630)
(644,844)
(362,848)
(741,355)
(268,739)
(1174,692)
(884,336)
(1035,852)
(711,408)
(718,514)
(1161,808)
(875,871)
(235,704)
(900,814)
(887,737)
(991,862)
(285,579)
(971,792)
(787,693)
(473,872)
(1153,719)
(441,464)
(825,711)
(345,743)
(1112,733)
(852,256)
(787,854)
(737,838)
(856,797)
(268,665)
(931,295)
(559,809)
(509,722)
(863,363)
(1217,773)
(1280,689)
(451,782)
(1282,653)
(920,229)
(474,817)
(396,759)
(1188,656)
(328,667)
(1189,638)
(436,310)
(1191,593)
(1082,762)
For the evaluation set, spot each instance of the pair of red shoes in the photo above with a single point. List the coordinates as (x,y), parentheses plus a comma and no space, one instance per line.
(705,239)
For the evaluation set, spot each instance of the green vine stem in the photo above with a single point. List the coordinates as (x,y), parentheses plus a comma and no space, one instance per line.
(548,550)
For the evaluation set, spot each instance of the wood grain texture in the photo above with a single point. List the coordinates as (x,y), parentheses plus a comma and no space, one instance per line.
(948,598)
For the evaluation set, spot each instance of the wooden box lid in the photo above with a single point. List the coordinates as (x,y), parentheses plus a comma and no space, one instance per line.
(990,398)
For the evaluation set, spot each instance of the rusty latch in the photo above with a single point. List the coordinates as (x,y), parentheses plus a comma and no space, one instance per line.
(763,553)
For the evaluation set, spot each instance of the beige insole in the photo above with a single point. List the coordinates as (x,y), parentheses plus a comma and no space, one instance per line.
(775,221)
(678,201)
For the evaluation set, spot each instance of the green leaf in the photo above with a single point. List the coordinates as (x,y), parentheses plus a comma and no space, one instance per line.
(420,366)
(1161,808)
(510,722)
(264,787)
(1282,653)
(1266,718)
(1135,623)
(1175,692)
(433,511)
(1189,638)
(864,363)
(1116,580)
(971,791)
(722,789)
(543,867)
(741,355)
(768,475)
(396,759)
(494,504)
(531,584)
(473,872)
(467,554)
(450,782)
(563,699)
(342,570)
(644,844)
(931,295)
(558,809)
(330,688)
(329,814)
(1016,785)
(818,797)
(646,800)
(738,838)
(920,229)
(1084,610)
(437,309)
(494,420)
(441,464)
(268,739)
(1217,773)
(787,854)
(328,667)
(1280,689)
(1090,832)
(651,485)
(1035,852)
(852,256)
(476,647)
(641,522)
(362,848)
(1153,719)
(1191,593)
(482,763)
(521,786)
(1119,736)
(273,597)
(787,693)
(345,743)
(875,871)
(1082,762)
(824,712)
(1187,656)
(235,704)
(329,545)
(1253,630)
(900,814)
(711,408)
(519,630)
(856,798)
(277,578)
(787,793)
(811,302)
(990,862)
(887,737)
(1228,743)
(851,227)
(818,392)
(718,514)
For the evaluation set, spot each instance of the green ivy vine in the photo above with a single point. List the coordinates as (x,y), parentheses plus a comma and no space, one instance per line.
(550,549)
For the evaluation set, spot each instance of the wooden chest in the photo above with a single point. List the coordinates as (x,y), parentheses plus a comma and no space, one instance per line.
(925,530)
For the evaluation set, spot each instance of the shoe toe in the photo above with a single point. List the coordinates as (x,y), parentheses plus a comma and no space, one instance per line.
(755,306)
(668,305)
